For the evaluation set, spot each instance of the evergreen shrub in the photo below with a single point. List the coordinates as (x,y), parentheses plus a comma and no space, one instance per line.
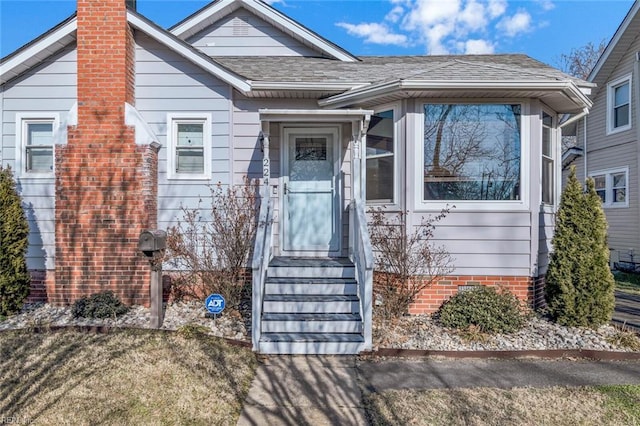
(100,305)
(485,308)
(579,285)
(14,232)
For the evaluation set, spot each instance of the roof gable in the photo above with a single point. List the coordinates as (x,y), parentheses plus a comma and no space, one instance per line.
(618,46)
(219,9)
(65,33)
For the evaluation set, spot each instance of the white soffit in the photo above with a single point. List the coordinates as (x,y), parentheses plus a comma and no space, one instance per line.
(37,52)
(313,115)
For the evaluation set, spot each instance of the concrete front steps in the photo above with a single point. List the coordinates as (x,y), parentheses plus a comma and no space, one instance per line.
(311,306)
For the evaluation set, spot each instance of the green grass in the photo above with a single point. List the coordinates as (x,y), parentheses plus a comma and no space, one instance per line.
(624,399)
(628,282)
(122,377)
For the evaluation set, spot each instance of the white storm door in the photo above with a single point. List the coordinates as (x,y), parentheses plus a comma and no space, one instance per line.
(310,190)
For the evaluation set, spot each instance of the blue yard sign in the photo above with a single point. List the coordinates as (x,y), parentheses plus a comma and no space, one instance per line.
(214,303)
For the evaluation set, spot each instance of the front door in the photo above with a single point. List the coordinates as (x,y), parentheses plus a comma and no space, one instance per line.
(310,191)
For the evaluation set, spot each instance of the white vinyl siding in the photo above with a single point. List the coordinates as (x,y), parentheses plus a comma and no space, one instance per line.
(612,187)
(619,105)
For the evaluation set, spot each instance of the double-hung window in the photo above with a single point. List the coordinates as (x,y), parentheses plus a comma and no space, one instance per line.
(619,105)
(472,153)
(548,155)
(612,187)
(35,134)
(380,156)
(189,146)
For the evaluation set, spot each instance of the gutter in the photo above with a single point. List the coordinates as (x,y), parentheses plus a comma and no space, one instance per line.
(371,91)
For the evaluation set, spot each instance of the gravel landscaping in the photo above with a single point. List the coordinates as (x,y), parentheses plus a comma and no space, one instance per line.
(415,332)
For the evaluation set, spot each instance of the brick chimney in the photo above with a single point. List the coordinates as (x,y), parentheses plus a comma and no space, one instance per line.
(106,185)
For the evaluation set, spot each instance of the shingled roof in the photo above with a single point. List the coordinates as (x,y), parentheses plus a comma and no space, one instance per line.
(377,69)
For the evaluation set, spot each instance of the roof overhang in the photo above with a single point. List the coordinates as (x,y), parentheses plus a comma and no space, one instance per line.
(562,96)
(314,115)
(570,155)
(221,8)
(618,46)
(38,50)
(65,33)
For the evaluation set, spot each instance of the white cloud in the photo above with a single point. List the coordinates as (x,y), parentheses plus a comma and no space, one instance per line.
(274,1)
(374,33)
(546,4)
(478,47)
(496,8)
(473,16)
(516,24)
(395,14)
(448,26)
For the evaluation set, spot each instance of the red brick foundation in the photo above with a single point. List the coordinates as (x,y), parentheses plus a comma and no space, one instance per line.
(527,289)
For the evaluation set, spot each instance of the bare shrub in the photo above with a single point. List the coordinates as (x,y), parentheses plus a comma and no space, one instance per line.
(211,253)
(409,262)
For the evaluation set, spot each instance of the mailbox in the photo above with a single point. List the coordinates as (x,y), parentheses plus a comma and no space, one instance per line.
(152,240)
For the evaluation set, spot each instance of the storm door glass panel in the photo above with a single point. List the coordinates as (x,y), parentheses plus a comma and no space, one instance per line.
(310,219)
(601,186)
(621,106)
(380,158)
(39,147)
(190,148)
(619,187)
(472,152)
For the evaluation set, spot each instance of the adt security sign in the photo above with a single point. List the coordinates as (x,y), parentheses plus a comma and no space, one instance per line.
(214,303)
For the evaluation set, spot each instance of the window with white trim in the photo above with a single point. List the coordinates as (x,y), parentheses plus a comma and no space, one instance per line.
(189,146)
(35,134)
(472,152)
(612,187)
(381,157)
(548,160)
(619,105)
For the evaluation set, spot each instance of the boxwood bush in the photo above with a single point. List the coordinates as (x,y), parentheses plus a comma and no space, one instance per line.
(485,308)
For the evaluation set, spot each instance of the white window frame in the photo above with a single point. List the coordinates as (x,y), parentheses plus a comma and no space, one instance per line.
(556,154)
(474,205)
(22,121)
(173,119)
(396,155)
(611,104)
(608,197)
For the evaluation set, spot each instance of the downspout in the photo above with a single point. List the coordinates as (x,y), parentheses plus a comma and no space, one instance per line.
(636,79)
(584,137)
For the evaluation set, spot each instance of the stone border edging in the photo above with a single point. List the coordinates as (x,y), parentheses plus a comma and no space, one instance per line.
(591,354)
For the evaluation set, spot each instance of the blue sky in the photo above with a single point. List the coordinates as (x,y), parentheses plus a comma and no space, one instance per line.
(543,29)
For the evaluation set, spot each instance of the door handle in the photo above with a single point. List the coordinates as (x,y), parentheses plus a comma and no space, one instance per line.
(285,188)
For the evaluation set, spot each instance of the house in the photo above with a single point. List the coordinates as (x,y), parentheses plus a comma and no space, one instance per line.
(111,123)
(607,139)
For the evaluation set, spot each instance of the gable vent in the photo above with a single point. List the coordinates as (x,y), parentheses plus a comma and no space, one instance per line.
(240,26)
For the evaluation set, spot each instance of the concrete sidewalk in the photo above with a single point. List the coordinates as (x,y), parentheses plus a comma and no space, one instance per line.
(326,390)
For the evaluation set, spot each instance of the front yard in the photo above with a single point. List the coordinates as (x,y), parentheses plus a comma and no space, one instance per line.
(627,282)
(122,377)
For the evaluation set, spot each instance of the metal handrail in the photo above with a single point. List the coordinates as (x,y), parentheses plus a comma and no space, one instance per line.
(260,263)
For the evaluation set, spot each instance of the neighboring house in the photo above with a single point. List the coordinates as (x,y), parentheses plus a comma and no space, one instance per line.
(607,139)
(111,123)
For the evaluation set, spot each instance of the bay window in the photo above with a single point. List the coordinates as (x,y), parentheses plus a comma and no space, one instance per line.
(380,157)
(472,152)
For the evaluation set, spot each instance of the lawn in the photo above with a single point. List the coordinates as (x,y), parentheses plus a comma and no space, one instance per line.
(122,377)
(603,405)
(628,282)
